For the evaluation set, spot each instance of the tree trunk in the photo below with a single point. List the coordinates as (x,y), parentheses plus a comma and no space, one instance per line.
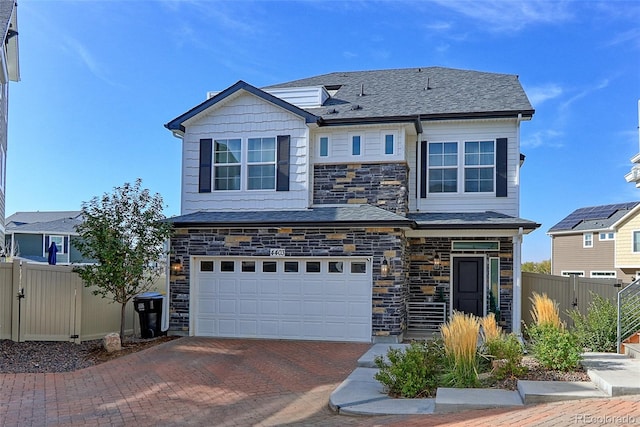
(123,307)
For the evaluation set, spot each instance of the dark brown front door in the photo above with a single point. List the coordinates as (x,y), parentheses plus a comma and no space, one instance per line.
(468,284)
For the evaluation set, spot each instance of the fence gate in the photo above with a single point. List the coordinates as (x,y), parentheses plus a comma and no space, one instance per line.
(49,302)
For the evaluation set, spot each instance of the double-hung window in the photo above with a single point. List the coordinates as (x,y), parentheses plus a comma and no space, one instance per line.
(261,164)
(587,240)
(59,241)
(479,166)
(227,164)
(443,167)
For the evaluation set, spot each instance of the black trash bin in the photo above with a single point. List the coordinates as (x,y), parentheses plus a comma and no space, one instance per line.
(149,308)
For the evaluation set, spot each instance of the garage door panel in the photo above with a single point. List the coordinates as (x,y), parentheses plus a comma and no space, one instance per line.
(279,304)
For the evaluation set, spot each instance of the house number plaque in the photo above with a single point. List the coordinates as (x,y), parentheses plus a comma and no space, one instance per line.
(276,252)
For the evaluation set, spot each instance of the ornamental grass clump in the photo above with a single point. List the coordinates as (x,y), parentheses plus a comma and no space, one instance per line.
(460,337)
(551,343)
(545,311)
(490,328)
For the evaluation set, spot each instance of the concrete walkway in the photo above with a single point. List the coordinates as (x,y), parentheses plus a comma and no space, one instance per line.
(360,394)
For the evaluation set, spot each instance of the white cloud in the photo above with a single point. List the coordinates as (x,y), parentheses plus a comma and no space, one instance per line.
(504,15)
(546,138)
(538,95)
(76,48)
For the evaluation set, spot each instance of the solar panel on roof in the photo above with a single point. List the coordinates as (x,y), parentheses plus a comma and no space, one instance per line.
(592,213)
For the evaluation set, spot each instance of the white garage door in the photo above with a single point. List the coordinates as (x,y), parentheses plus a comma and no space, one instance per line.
(311,299)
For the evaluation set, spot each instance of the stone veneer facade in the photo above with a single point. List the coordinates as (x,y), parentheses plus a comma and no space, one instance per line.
(389,293)
(383,185)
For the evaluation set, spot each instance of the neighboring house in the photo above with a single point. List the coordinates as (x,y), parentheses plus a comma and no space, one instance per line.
(324,207)
(29,234)
(9,71)
(598,242)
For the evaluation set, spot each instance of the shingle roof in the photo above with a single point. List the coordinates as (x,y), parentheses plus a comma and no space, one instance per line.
(593,217)
(20,218)
(6,9)
(62,226)
(351,216)
(466,220)
(431,93)
(333,215)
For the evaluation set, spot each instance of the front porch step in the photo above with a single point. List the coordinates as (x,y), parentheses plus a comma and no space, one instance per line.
(632,350)
(555,391)
(615,374)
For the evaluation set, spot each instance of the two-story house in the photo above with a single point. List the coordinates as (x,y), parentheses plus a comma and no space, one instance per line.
(598,242)
(349,206)
(9,71)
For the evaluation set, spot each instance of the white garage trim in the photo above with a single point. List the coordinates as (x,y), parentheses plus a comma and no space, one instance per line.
(314,298)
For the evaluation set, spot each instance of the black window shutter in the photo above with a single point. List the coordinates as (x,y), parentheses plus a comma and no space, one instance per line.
(65,243)
(46,244)
(423,169)
(501,167)
(204,185)
(282,165)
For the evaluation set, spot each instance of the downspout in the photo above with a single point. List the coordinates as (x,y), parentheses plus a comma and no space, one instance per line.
(516,308)
(165,300)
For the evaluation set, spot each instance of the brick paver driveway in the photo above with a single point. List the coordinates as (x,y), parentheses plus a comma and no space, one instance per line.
(218,382)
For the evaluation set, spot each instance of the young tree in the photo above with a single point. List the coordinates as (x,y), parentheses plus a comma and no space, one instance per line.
(543,267)
(124,233)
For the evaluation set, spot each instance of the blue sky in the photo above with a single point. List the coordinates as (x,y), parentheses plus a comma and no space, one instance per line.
(101,78)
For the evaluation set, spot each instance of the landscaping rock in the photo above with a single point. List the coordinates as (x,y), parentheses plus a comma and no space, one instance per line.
(111,342)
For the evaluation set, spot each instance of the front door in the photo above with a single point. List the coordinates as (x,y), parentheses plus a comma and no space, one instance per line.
(468,285)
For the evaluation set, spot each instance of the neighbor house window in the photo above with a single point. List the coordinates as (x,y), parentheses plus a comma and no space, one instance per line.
(388,144)
(587,240)
(603,274)
(479,166)
(59,241)
(227,160)
(355,145)
(572,273)
(443,167)
(636,241)
(324,146)
(261,164)
(607,236)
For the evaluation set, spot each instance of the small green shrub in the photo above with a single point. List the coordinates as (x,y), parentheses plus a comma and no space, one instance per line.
(596,331)
(554,347)
(509,349)
(412,372)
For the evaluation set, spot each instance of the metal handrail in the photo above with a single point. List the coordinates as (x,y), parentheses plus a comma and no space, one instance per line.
(628,312)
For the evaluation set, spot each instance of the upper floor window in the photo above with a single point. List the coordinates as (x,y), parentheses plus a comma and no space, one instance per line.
(324,146)
(261,164)
(355,145)
(636,241)
(443,167)
(607,236)
(388,144)
(479,163)
(227,163)
(587,240)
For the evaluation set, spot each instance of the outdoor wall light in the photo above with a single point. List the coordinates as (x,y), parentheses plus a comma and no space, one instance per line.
(384,267)
(176,266)
(436,262)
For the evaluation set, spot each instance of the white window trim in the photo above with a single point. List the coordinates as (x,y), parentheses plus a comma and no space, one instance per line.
(319,151)
(603,274)
(633,232)
(606,236)
(351,136)
(461,167)
(244,164)
(394,134)
(584,240)
(61,248)
(567,273)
